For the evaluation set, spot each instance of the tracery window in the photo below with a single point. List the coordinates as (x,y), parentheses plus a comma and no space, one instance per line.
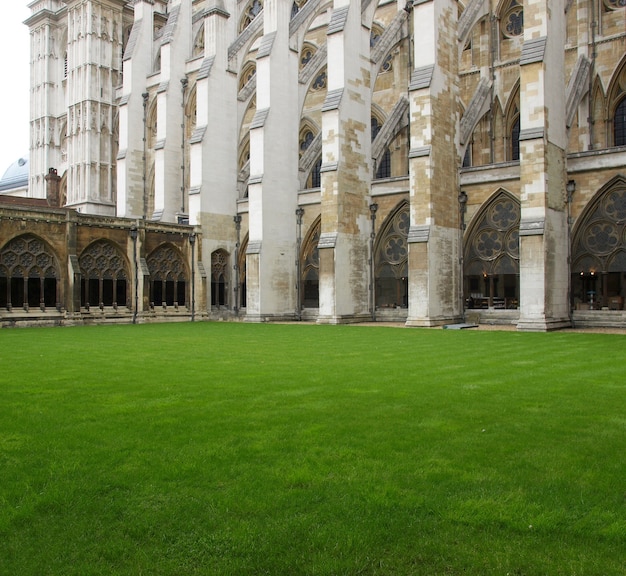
(28,273)
(104,275)
(491,260)
(320,81)
(297,6)
(252,10)
(391,260)
(375,35)
(306,139)
(512,21)
(599,249)
(306,54)
(168,276)
(310,259)
(387,65)
(248,72)
(219,278)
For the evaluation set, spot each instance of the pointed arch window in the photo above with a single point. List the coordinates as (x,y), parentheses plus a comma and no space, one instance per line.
(297,6)
(515,129)
(491,255)
(512,21)
(311,267)
(252,10)
(619,123)
(104,275)
(168,277)
(28,274)
(219,278)
(315,180)
(599,250)
(391,260)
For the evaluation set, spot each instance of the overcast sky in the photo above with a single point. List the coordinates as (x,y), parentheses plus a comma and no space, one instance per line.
(14,82)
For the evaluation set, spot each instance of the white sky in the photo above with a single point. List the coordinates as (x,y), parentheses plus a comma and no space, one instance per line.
(14,82)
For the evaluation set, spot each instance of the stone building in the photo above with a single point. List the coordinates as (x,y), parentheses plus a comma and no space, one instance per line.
(422,162)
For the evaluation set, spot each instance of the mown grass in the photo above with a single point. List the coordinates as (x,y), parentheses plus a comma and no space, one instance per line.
(238,449)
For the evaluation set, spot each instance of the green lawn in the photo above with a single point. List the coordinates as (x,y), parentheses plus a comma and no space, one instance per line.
(245,449)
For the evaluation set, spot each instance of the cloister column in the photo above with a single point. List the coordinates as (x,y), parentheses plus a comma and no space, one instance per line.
(434,241)
(346,171)
(273,183)
(543,140)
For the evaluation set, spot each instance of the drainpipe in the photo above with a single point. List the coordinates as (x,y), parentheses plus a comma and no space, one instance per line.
(183,83)
(145,152)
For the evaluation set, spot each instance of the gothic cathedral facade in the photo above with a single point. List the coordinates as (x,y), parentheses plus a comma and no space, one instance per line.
(426,162)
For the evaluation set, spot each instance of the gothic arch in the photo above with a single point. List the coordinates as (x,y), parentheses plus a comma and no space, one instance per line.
(252,9)
(29,273)
(599,248)
(512,124)
(491,254)
(220,277)
(197,49)
(598,107)
(616,101)
(104,269)
(168,276)
(310,266)
(391,259)
(241,294)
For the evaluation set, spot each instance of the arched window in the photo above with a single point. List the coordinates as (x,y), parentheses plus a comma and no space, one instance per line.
(491,255)
(297,6)
(515,139)
(28,273)
(512,20)
(252,10)
(241,264)
(599,250)
(619,124)
(198,44)
(310,260)
(219,278)
(104,275)
(315,179)
(391,260)
(168,276)
(307,52)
